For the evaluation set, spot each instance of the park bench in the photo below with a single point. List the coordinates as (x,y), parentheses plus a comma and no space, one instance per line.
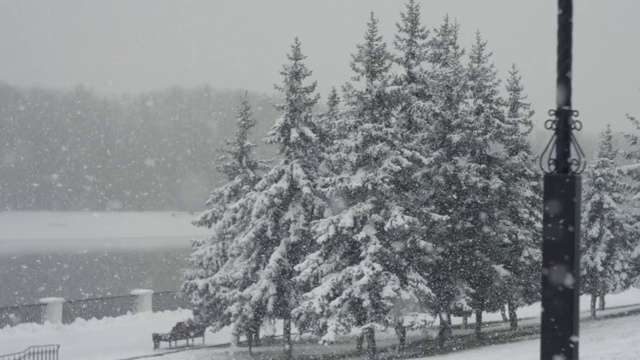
(188,330)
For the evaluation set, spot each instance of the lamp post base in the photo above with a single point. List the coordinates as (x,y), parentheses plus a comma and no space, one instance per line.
(561,267)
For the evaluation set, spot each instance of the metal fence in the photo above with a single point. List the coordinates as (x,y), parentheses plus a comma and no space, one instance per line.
(14,315)
(169,300)
(43,352)
(97,308)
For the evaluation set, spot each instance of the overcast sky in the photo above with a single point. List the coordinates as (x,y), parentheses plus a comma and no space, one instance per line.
(122,45)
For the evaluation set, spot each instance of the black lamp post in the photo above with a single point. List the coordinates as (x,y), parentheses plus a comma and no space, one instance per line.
(561,219)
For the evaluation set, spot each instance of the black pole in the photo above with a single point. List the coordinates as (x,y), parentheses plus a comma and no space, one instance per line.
(561,219)
(563,86)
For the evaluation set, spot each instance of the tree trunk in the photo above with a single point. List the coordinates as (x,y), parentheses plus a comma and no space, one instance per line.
(503,312)
(249,335)
(256,336)
(593,305)
(444,333)
(371,343)
(235,340)
(601,307)
(465,321)
(401,332)
(361,319)
(513,316)
(359,342)
(478,324)
(449,318)
(286,337)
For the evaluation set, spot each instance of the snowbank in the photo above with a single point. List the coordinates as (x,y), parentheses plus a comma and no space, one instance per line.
(104,339)
(110,338)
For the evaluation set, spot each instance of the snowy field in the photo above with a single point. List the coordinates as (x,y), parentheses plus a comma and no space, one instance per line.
(130,336)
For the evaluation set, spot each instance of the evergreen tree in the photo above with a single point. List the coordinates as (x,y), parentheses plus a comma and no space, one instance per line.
(607,244)
(413,115)
(414,105)
(411,42)
(448,89)
(520,216)
(633,173)
(482,186)
(205,284)
(285,202)
(331,127)
(239,162)
(361,263)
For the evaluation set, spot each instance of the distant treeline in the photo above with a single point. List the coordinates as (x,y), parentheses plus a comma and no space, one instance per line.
(79,150)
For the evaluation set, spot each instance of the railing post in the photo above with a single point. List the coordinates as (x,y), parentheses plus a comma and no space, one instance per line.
(144,302)
(53,312)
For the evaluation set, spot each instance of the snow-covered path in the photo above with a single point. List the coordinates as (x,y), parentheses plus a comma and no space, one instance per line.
(610,339)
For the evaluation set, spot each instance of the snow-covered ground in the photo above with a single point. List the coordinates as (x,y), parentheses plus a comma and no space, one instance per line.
(41,231)
(629,297)
(609,339)
(109,338)
(130,336)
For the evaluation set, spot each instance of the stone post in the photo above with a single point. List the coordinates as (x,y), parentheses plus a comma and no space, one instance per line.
(53,312)
(144,302)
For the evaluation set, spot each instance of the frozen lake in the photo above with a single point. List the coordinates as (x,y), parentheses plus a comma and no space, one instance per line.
(77,255)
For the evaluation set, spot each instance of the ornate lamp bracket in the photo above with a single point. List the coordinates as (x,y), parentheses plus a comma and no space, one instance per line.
(549,158)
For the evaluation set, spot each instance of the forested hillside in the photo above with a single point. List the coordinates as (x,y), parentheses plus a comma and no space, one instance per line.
(80,150)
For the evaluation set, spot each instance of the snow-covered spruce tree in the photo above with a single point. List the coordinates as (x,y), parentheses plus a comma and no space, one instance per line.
(413,115)
(209,291)
(361,263)
(607,244)
(519,213)
(447,90)
(285,202)
(632,171)
(411,43)
(330,124)
(479,171)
